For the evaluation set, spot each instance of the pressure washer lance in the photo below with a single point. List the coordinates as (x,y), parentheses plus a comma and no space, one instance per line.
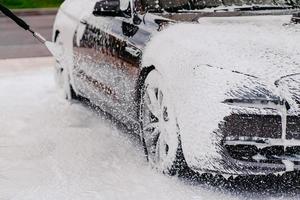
(22,24)
(54,49)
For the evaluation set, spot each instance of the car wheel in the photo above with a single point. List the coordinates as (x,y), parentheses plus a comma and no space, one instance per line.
(59,78)
(62,76)
(69,92)
(159,128)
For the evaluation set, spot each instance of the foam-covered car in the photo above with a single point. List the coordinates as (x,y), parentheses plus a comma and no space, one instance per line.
(209,86)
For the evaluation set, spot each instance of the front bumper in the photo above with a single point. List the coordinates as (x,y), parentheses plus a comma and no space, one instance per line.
(253,144)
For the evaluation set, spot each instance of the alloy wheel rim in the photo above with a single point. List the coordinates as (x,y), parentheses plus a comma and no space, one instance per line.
(158,126)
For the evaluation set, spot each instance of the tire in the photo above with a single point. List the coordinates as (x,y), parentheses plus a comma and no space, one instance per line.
(69,92)
(62,77)
(159,127)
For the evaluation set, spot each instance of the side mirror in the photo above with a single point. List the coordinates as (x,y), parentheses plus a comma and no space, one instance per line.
(108,8)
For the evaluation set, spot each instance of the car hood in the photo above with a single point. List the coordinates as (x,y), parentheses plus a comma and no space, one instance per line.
(222,58)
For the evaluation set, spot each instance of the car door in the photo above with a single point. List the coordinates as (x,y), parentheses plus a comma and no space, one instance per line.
(107,53)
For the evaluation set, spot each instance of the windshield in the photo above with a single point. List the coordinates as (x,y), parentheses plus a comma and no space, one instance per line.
(176,5)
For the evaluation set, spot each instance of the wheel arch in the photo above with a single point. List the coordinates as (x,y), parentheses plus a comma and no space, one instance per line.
(140,84)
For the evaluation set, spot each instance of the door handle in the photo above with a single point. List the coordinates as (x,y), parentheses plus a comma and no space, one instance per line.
(135,52)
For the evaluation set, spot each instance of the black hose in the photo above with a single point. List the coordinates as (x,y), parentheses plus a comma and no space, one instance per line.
(11,15)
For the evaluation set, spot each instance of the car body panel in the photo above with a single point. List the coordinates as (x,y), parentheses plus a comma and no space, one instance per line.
(112,47)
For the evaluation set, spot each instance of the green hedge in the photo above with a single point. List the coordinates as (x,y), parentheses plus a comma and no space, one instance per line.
(31,3)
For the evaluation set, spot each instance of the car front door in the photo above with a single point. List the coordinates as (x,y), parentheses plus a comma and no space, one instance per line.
(107,59)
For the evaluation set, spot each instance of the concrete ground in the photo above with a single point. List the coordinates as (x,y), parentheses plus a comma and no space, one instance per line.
(17,43)
(51,149)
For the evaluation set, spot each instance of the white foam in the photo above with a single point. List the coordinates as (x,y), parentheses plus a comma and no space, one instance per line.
(191,56)
(55,50)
